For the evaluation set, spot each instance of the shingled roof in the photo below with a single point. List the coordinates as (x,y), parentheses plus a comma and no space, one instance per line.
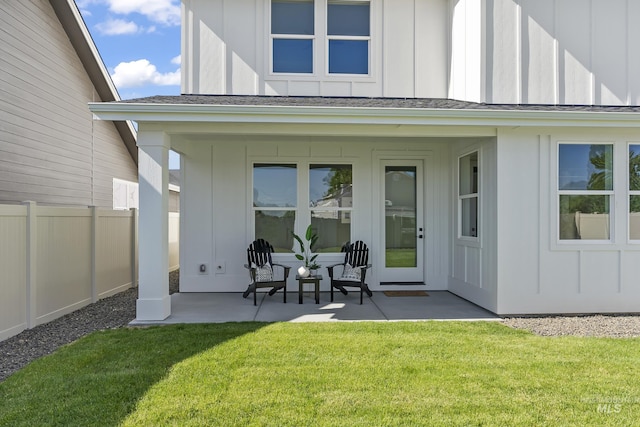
(355,102)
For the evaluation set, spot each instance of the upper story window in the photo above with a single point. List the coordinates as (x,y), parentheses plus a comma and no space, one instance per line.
(348,36)
(292,36)
(338,41)
(585,191)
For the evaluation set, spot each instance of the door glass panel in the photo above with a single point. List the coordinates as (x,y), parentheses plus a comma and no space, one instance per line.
(400,217)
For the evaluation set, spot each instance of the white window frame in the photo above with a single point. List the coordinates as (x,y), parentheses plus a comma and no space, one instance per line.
(462,197)
(321,45)
(295,210)
(302,210)
(355,38)
(346,211)
(629,194)
(611,193)
(130,196)
(311,37)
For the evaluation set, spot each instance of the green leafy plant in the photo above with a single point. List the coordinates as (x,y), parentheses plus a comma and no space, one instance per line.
(306,254)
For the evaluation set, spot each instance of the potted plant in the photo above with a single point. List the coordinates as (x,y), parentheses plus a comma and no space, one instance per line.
(305,254)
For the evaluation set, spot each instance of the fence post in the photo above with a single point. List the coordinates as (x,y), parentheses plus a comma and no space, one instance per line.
(94,251)
(134,247)
(32,267)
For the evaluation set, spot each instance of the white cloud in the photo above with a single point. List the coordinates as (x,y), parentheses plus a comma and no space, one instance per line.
(114,27)
(142,72)
(165,12)
(176,60)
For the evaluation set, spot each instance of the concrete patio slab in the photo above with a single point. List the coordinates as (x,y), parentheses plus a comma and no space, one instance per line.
(231,307)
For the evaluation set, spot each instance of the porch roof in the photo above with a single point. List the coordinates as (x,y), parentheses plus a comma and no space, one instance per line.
(354,110)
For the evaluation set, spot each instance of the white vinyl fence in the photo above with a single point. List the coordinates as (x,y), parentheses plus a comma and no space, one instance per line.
(55,260)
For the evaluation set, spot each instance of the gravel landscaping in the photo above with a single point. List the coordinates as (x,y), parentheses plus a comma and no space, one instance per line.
(108,313)
(118,310)
(612,325)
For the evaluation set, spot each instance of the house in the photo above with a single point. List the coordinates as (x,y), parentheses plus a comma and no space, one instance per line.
(52,151)
(488,147)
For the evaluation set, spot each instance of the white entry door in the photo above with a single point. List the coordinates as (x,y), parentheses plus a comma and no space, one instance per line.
(402,224)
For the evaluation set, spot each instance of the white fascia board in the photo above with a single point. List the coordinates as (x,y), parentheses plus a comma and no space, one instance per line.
(143,112)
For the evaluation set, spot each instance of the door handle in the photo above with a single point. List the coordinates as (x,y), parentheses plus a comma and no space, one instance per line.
(420,235)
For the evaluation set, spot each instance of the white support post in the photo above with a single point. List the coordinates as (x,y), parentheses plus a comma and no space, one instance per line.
(134,247)
(154,302)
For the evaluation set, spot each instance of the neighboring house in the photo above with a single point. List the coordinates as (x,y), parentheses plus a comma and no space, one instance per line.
(490,147)
(52,149)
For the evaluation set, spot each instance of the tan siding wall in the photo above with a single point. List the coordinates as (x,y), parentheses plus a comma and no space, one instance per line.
(51,149)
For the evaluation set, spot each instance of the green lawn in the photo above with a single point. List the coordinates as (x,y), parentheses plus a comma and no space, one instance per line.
(342,374)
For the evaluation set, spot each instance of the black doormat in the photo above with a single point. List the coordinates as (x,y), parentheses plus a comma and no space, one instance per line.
(406,293)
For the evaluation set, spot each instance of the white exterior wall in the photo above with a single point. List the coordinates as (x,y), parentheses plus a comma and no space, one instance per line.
(467,51)
(495,51)
(562,52)
(226,51)
(537,272)
(216,219)
(473,261)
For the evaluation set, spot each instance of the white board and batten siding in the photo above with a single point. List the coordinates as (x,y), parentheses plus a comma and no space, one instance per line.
(538,272)
(562,52)
(51,149)
(473,271)
(217,216)
(225,50)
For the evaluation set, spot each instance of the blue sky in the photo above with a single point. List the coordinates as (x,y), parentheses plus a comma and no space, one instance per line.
(139,42)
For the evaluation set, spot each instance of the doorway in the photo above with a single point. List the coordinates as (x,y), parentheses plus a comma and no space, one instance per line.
(402,225)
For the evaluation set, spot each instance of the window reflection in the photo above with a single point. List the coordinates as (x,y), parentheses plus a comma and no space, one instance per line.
(585,181)
(585,167)
(584,217)
(400,216)
(275,195)
(331,201)
(275,227)
(330,185)
(274,185)
(634,188)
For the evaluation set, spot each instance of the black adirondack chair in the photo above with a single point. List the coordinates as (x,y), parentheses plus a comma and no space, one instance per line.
(262,271)
(354,269)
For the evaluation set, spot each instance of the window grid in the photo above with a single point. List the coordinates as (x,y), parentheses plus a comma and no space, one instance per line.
(344,54)
(292,41)
(585,214)
(353,37)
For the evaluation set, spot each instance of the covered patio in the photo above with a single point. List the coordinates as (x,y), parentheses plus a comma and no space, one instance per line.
(231,307)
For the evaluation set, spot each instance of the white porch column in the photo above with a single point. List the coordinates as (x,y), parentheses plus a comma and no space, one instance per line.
(154,302)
